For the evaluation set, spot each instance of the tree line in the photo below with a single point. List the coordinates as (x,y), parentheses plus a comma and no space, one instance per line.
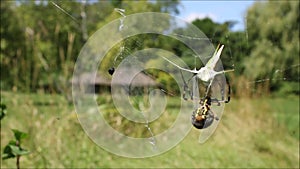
(40,41)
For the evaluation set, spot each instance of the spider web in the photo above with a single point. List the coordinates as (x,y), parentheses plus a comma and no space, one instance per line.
(124,50)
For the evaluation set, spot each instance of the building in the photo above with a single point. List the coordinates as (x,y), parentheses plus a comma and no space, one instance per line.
(99,83)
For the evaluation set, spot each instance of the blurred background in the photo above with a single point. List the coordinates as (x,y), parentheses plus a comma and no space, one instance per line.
(41,40)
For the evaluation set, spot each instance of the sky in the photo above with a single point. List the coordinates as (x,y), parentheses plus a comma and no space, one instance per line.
(219,11)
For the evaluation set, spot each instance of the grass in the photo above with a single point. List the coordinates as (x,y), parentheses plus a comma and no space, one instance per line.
(287,113)
(253,133)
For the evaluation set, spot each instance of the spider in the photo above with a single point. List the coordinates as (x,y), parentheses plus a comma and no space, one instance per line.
(206,73)
(203,116)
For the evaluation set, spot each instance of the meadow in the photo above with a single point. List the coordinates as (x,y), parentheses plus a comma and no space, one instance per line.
(259,127)
(253,133)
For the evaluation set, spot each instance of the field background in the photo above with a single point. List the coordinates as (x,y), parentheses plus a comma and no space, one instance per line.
(253,133)
(40,44)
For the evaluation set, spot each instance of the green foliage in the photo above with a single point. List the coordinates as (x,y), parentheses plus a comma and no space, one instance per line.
(19,135)
(3,110)
(48,40)
(286,112)
(13,148)
(214,31)
(266,136)
(288,88)
(273,30)
(268,49)
(12,151)
(236,45)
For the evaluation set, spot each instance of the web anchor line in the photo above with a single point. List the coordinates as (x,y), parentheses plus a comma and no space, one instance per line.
(275,79)
(283,70)
(190,37)
(122,48)
(121,12)
(267,79)
(65,12)
(152,140)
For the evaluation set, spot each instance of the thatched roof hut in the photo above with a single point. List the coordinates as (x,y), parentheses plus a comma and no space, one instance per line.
(101,82)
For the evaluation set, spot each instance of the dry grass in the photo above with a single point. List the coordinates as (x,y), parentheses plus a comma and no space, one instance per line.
(251,133)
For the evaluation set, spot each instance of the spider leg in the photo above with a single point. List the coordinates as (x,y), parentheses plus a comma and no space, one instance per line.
(214,100)
(208,88)
(212,114)
(186,87)
(191,92)
(223,100)
(227,83)
(229,91)
(222,93)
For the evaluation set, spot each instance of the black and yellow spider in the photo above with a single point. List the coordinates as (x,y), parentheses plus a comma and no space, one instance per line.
(203,116)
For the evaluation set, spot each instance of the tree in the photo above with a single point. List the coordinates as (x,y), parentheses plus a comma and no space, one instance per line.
(273,32)
(50,35)
(220,33)
(12,46)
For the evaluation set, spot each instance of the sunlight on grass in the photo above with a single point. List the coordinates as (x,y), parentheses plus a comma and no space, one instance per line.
(262,132)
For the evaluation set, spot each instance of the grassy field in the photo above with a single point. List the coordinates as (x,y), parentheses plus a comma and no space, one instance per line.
(253,133)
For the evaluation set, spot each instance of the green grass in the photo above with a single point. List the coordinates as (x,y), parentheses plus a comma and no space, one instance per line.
(253,133)
(286,111)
